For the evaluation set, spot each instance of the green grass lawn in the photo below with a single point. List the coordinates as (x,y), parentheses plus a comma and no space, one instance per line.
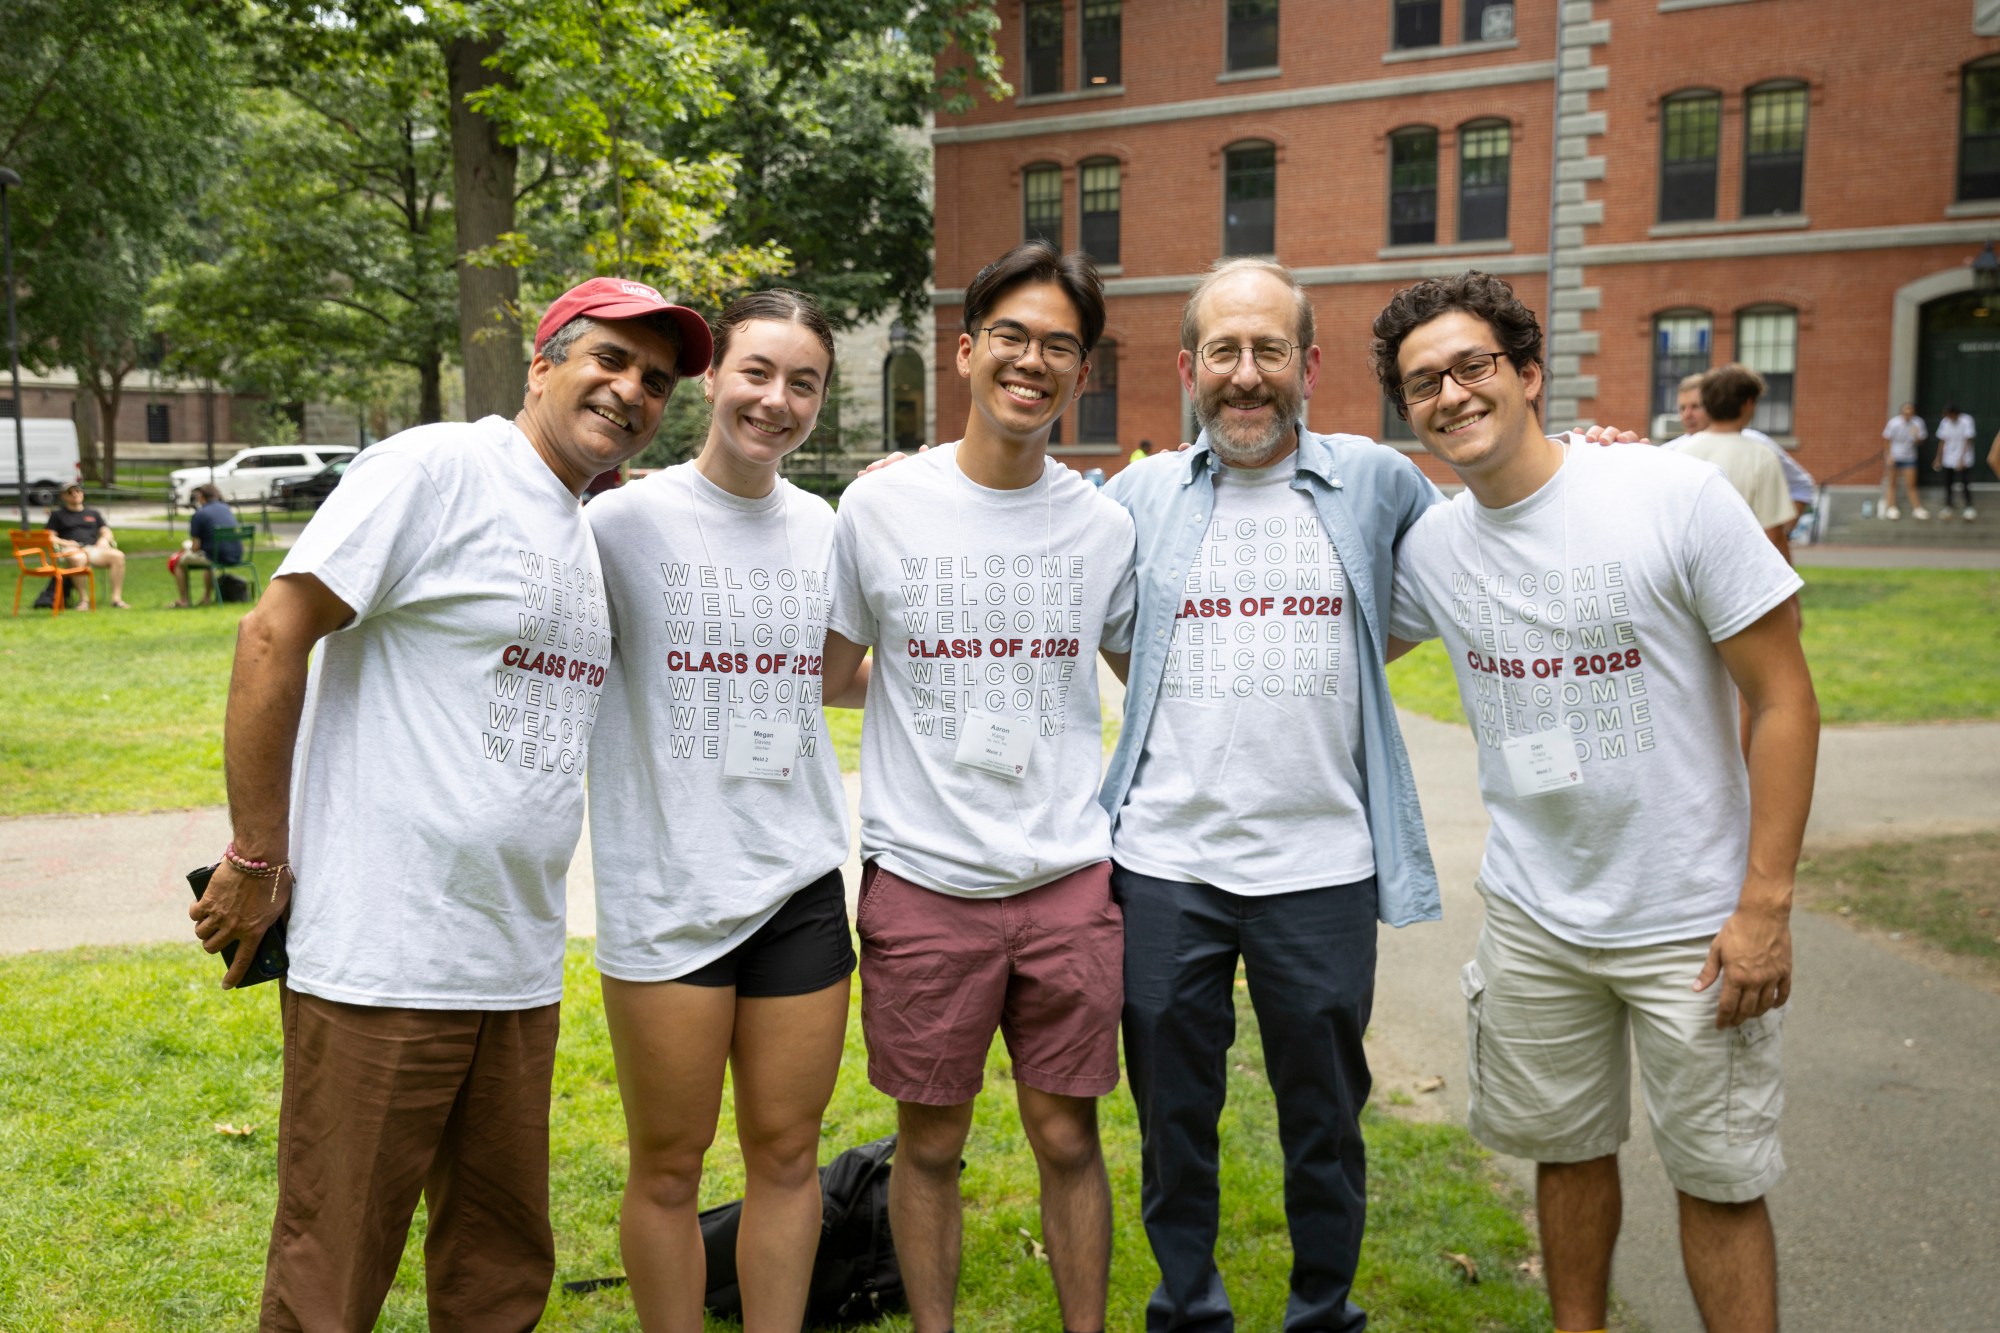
(123,1207)
(1945,890)
(1885,645)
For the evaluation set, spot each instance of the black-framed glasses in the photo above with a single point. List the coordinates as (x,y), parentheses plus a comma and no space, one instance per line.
(1467,371)
(1009,342)
(1269,355)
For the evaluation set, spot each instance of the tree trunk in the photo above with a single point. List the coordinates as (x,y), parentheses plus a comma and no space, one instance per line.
(107,416)
(430,388)
(489,324)
(86,438)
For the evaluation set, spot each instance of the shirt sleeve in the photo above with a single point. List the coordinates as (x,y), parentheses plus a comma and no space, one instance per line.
(850,616)
(1734,575)
(1122,614)
(1409,618)
(371,533)
(1770,499)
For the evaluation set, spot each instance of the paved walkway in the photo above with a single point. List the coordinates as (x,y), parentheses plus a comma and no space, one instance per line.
(1887,1219)
(1892,1070)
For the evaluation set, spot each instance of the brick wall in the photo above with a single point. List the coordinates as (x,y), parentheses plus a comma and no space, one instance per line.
(1879,210)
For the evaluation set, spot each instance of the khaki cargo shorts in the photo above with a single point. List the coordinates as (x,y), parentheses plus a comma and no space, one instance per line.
(1549,1059)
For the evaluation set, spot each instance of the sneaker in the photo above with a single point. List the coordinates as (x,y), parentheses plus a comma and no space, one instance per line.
(1969,514)
(1892,513)
(1920,512)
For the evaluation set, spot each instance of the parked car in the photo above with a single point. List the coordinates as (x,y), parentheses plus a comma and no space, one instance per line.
(310,493)
(50,444)
(252,473)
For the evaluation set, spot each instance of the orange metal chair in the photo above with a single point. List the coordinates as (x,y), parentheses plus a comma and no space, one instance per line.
(35,553)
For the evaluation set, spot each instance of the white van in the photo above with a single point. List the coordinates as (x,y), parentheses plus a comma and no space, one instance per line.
(53,460)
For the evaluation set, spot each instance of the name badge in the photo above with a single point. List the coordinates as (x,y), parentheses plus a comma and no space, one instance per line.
(1543,762)
(998,745)
(767,751)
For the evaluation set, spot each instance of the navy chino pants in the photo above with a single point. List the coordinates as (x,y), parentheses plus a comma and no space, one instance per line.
(1309,959)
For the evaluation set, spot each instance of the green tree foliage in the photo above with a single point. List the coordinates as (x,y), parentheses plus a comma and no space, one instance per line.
(332,253)
(826,125)
(111,111)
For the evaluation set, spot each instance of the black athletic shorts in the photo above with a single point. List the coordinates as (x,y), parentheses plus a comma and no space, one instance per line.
(804,947)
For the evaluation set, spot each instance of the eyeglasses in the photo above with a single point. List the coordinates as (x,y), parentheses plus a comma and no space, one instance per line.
(1009,342)
(1270,355)
(1468,371)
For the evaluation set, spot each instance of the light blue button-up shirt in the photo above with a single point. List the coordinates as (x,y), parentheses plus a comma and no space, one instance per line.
(1367,496)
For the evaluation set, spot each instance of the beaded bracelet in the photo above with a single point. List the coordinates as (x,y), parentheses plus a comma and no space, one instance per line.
(246,865)
(255,869)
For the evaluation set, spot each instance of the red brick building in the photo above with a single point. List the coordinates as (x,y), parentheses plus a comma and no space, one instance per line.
(1798,184)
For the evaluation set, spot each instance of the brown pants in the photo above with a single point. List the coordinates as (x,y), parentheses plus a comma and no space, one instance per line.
(381,1105)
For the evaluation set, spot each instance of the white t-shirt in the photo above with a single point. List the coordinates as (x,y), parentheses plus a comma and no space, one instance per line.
(718,608)
(1955,441)
(1799,483)
(1250,779)
(1590,609)
(437,790)
(1751,469)
(981,605)
(1903,435)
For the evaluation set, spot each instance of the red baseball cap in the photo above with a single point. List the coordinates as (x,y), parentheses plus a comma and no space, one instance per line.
(620,298)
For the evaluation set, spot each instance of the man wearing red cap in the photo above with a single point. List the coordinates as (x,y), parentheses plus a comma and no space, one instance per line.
(414,797)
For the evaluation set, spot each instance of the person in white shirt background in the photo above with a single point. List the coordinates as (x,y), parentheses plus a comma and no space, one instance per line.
(1799,483)
(1954,436)
(1904,433)
(719,825)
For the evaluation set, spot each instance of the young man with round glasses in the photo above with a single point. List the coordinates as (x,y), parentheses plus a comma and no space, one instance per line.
(987,577)
(1601,608)
(1262,803)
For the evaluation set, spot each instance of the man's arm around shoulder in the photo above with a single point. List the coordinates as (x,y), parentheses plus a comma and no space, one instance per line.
(1753,950)
(267,688)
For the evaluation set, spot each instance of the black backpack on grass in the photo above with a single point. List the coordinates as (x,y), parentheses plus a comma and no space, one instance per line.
(854,1278)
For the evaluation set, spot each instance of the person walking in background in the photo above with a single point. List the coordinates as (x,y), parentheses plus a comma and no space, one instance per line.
(413,791)
(203,549)
(82,536)
(1799,483)
(719,831)
(1729,397)
(1955,432)
(1904,433)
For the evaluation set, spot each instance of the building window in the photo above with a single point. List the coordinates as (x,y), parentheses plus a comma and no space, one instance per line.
(1253,34)
(1097,405)
(1418,23)
(158,429)
(1690,137)
(1979,132)
(1774,150)
(1413,180)
(1103,40)
(1681,341)
(1045,44)
(1767,341)
(1250,200)
(1489,20)
(903,400)
(1485,154)
(1098,186)
(1394,426)
(1041,204)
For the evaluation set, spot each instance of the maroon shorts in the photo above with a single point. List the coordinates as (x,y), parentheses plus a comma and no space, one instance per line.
(939,974)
